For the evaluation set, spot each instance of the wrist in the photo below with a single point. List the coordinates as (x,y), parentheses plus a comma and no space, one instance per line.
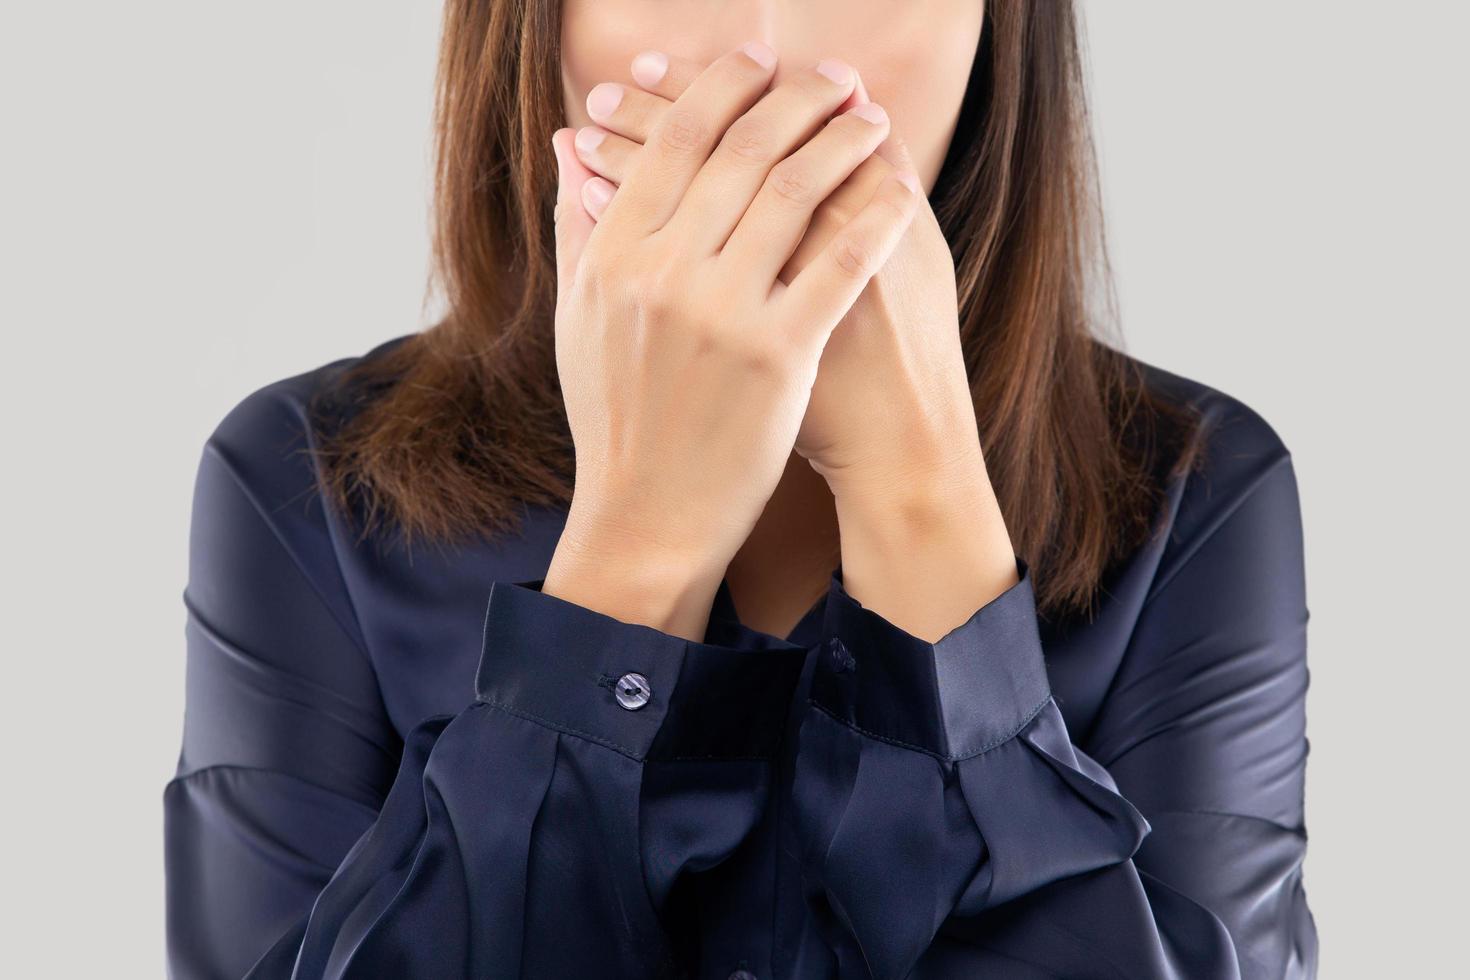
(934,523)
(935,452)
(922,483)
(925,555)
(632,579)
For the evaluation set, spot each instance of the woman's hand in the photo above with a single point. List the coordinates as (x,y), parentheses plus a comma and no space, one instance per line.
(892,397)
(891,422)
(686,364)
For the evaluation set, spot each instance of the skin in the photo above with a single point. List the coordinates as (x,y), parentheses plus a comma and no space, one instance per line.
(752,294)
(914,55)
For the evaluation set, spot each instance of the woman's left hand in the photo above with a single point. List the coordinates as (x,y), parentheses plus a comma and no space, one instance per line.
(891,423)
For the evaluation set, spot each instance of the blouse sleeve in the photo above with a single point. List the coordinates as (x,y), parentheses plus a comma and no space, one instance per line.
(287,751)
(538,832)
(944,773)
(541,831)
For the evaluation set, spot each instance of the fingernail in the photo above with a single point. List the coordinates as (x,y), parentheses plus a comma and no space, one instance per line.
(556,149)
(604,99)
(597,192)
(870,111)
(909,180)
(760,53)
(649,68)
(837,71)
(589,138)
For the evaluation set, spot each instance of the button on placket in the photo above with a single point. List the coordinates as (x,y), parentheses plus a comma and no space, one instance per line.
(632,691)
(839,658)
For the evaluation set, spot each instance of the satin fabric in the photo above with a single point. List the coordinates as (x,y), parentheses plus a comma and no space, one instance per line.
(416,765)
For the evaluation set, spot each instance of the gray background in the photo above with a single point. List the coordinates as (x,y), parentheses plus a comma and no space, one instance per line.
(200,198)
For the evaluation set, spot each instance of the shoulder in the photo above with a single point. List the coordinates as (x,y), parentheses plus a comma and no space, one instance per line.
(1229,426)
(1242,480)
(259,520)
(1235,444)
(266,436)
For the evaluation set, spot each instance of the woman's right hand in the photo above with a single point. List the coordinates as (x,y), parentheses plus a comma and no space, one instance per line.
(685,364)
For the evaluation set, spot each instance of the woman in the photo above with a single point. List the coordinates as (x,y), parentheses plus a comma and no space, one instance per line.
(1016,683)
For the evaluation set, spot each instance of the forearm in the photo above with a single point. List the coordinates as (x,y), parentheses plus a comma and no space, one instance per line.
(925,547)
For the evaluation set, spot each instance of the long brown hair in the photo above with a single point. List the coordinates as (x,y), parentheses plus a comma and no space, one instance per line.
(453,431)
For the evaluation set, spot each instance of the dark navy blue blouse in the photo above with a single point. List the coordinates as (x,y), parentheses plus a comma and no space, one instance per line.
(423,766)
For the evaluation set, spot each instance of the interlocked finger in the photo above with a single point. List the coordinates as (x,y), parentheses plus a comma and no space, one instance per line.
(682,138)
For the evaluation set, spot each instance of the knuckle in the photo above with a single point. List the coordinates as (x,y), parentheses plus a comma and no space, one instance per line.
(750,139)
(656,302)
(894,208)
(657,305)
(590,279)
(853,257)
(660,287)
(762,360)
(792,184)
(595,261)
(837,212)
(681,130)
(756,352)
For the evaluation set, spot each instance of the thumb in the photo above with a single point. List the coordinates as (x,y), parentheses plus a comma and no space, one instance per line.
(573,223)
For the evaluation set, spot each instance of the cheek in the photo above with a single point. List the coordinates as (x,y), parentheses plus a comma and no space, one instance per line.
(598,41)
(922,84)
(915,57)
(924,101)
